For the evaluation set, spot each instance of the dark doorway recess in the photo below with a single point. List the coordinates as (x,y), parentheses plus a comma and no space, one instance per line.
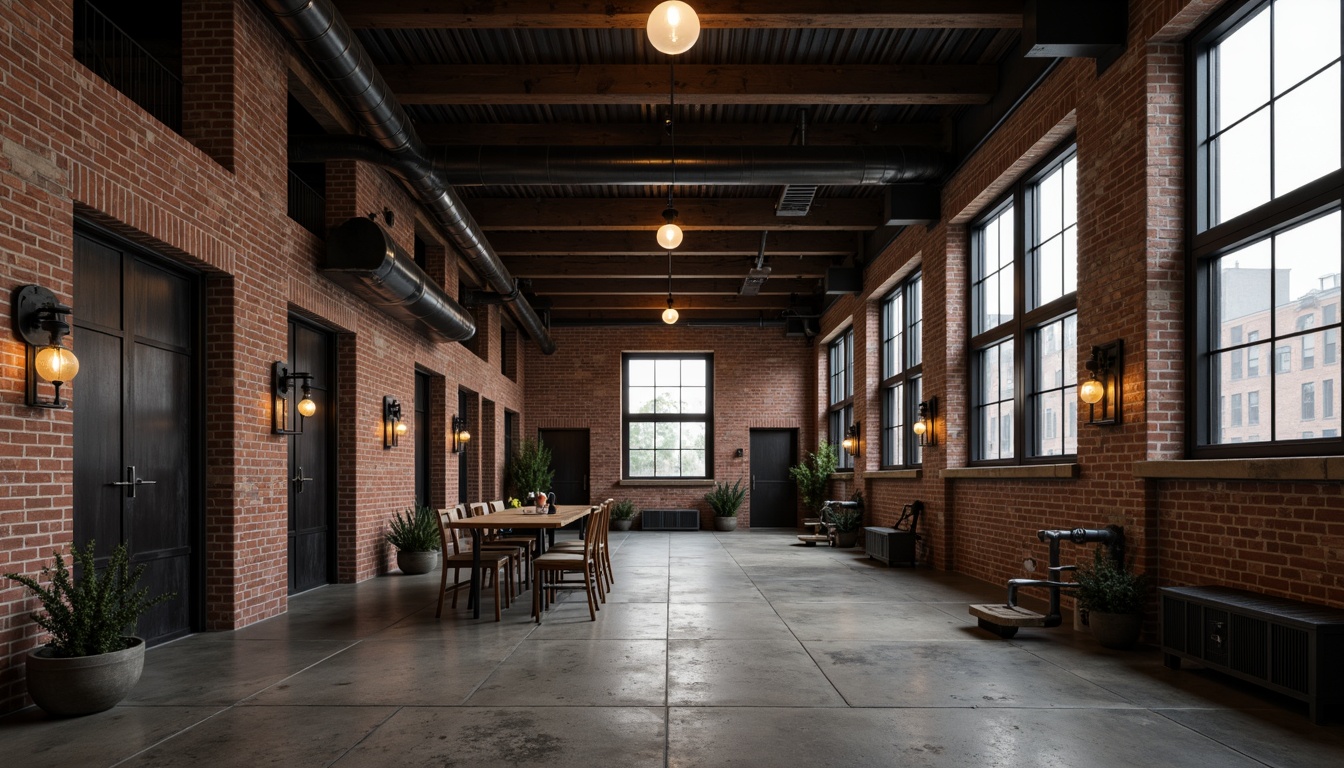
(422,442)
(462,490)
(312,456)
(569,459)
(137,421)
(774,495)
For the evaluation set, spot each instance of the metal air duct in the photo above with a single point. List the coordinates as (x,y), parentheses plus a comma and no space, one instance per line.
(362,258)
(318,30)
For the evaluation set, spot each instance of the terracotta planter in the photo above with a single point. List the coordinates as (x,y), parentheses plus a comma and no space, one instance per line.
(412,563)
(82,685)
(725,523)
(1116,630)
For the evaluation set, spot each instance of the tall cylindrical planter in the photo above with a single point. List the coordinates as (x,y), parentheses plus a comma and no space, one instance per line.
(417,562)
(725,523)
(82,685)
(1116,630)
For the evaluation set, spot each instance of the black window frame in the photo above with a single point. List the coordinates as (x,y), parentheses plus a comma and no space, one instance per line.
(1022,330)
(840,410)
(906,366)
(1206,243)
(707,418)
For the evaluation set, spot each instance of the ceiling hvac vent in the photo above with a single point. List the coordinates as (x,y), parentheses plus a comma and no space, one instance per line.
(795,200)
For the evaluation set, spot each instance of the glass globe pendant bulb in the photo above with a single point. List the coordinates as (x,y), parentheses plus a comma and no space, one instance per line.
(463,436)
(673,27)
(920,428)
(56,364)
(306,407)
(1092,391)
(670,315)
(669,236)
(400,428)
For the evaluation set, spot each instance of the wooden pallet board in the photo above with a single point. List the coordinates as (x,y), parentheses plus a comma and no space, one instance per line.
(1006,616)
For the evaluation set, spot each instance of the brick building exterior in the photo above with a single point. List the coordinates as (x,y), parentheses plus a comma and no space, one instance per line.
(212,200)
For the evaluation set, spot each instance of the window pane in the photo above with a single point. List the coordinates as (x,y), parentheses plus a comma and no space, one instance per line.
(669,400)
(1050,424)
(1050,271)
(1306,38)
(1244,286)
(692,373)
(1242,71)
(693,463)
(667,372)
(993,278)
(1302,257)
(915,311)
(994,421)
(641,463)
(667,463)
(1242,167)
(667,435)
(641,373)
(1306,132)
(641,399)
(641,435)
(692,399)
(693,435)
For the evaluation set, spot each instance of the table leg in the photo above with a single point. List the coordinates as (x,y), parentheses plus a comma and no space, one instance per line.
(541,541)
(475,598)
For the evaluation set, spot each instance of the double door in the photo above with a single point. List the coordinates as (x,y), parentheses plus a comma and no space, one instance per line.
(137,422)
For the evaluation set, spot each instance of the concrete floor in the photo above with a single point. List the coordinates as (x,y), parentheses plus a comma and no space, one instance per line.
(737,649)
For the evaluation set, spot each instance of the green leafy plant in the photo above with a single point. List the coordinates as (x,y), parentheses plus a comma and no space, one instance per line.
(415,530)
(623,510)
(92,614)
(1108,587)
(812,476)
(726,499)
(845,519)
(530,469)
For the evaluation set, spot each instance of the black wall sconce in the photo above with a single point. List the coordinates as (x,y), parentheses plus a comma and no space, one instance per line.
(393,426)
(460,434)
(283,384)
(851,441)
(924,425)
(1105,369)
(40,320)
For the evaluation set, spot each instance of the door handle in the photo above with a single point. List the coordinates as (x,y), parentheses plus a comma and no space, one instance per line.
(753,482)
(300,479)
(131,482)
(585,482)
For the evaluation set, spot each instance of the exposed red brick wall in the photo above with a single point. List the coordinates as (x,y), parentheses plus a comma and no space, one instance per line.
(760,381)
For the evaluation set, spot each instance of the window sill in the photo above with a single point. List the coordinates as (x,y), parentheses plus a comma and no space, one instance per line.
(1024,471)
(842,474)
(667,483)
(894,474)
(1318,468)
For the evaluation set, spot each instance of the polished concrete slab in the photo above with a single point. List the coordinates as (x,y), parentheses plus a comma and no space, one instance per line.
(740,649)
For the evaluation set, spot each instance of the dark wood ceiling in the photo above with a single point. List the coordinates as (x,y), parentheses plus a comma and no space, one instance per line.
(879,73)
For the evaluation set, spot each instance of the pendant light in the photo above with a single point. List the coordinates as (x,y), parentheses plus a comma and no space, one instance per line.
(670,314)
(670,235)
(673,27)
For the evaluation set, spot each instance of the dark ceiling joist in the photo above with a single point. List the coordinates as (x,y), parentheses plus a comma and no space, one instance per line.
(659,303)
(588,267)
(741,14)
(696,84)
(688,134)
(697,243)
(681,286)
(612,214)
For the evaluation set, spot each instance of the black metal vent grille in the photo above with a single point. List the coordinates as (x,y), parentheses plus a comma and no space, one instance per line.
(1292,662)
(1250,646)
(670,520)
(1173,624)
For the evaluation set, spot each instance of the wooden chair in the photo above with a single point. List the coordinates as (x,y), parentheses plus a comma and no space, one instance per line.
(548,570)
(497,506)
(495,564)
(603,552)
(519,547)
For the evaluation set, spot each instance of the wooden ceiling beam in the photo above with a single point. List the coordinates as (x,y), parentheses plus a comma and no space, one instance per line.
(681,286)
(588,267)
(688,134)
(697,243)
(659,303)
(740,14)
(696,84)
(623,213)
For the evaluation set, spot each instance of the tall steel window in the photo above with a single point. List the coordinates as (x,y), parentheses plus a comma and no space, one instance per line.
(840,370)
(1265,247)
(1024,283)
(668,404)
(902,323)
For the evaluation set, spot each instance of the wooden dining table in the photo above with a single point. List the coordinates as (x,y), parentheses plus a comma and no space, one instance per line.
(513,518)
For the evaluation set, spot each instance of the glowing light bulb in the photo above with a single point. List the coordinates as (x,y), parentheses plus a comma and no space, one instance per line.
(56,364)
(306,407)
(920,428)
(400,428)
(673,27)
(670,315)
(463,436)
(1092,391)
(669,236)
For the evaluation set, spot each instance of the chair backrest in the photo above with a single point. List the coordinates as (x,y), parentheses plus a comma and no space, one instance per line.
(449,536)
(477,508)
(593,533)
(497,506)
(909,520)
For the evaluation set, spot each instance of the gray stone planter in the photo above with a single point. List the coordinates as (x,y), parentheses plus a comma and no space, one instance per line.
(846,539)
(1115,630)
(82,685)
(412,563)
(621,525)
(725,523)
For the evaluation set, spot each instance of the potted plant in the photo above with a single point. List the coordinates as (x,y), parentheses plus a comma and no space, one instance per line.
(90,663)
(1114,598)
(415,534)
(622,514)
(725,500)
(812,476)
(846,521)
(530,470)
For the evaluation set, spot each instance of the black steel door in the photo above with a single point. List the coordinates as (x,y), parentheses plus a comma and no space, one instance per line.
(137,422)
(569,459)
(421,438)
(774,495)
(462,489)
(312,495)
